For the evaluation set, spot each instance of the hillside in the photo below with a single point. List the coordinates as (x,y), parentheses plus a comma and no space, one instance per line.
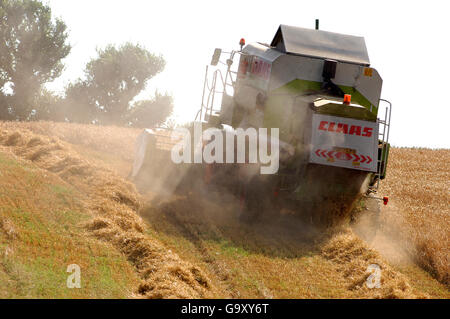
(40,237)
(110,208)
(187,246)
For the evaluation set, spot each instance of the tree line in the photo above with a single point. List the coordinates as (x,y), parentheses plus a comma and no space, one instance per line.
(33,46)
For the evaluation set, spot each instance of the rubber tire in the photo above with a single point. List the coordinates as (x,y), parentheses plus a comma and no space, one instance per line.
(252,198)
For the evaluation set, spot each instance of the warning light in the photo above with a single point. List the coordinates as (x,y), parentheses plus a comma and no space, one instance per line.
(385,200)
(242,43)
(216,57)
(347,99)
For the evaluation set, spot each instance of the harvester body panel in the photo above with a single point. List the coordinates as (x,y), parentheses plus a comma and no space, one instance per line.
(344,142)
(321,44)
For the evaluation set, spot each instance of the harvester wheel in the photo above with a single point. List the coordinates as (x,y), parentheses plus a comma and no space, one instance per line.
(251,201)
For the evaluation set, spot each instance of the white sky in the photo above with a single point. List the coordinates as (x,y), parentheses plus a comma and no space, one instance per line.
(408,43)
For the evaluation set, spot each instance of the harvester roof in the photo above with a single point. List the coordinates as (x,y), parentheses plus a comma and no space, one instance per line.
(321,44)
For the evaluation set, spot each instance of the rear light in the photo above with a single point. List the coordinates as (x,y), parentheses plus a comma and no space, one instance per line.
(385,200)
(347,99)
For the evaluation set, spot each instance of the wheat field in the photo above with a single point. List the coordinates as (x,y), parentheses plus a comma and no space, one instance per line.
(414,225)
(418,184)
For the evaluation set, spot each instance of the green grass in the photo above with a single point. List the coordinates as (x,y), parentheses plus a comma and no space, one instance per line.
(41,233)
(231,250)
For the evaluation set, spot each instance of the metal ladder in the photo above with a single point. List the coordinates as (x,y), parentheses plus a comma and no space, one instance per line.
(383,136)
(210,91)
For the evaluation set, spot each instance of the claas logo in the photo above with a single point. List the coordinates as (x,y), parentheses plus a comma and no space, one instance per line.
(345,129)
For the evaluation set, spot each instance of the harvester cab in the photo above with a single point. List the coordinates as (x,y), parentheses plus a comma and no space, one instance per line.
(320,91)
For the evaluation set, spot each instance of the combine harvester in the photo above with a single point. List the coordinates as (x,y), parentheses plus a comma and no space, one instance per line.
(319,90)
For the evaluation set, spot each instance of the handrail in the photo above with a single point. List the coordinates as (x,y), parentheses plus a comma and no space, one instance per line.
(209,91)
(384,140)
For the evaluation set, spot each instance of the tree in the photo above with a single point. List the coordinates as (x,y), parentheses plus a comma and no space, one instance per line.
(115,78)
(5,111)
(80,103)
(150,113)
(48,107)
(32,47)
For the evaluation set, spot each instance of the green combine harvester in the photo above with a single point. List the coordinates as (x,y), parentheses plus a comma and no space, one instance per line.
(319,90)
